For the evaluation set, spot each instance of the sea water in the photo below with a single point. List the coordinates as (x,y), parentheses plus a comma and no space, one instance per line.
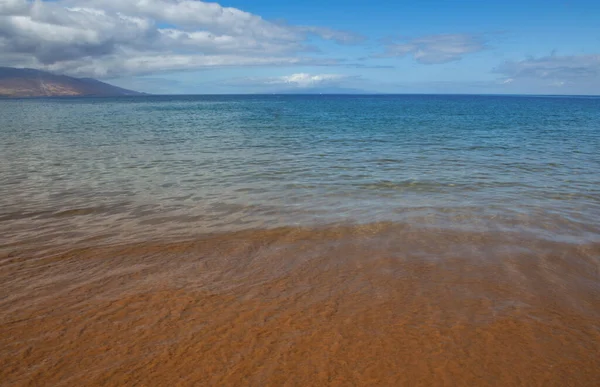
(135,168)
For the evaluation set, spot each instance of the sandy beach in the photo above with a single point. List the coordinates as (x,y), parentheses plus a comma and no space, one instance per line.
(361,305)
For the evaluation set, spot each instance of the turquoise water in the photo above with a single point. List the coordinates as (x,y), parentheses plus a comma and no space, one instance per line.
(115,169)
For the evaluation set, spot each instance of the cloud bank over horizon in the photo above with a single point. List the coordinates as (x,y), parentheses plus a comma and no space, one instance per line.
(199,46)
(436,49)
(104,38)
(553,67)
(300,82)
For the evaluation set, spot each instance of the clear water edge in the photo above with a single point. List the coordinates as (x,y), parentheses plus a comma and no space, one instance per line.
(138,168)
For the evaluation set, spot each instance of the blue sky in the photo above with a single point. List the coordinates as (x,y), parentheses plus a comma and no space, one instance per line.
(265,46)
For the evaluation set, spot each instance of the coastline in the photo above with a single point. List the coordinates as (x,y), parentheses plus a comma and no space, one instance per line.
(299,240)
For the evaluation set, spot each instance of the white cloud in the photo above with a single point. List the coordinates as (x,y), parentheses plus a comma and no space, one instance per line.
(117,37)
(435,49)
(293,81)
(306,80)
(13,7)
(149,63)
(193,15)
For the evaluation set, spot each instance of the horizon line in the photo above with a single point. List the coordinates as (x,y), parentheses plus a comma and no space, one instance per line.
(302,94)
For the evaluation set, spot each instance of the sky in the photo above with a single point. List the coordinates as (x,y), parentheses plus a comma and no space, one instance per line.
(293,46)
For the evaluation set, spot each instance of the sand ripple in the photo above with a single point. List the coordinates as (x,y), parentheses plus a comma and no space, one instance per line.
(378,304)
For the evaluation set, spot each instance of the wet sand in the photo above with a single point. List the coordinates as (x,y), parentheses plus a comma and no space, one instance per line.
(378,304)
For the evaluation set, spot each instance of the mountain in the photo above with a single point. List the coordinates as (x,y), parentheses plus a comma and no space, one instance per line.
(35,83)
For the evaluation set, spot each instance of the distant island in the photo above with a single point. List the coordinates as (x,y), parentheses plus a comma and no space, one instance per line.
(16,83)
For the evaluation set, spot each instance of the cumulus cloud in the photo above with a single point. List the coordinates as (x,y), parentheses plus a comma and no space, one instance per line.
(435,49)
(554,68)
(193,15)
(13,7)
(115,37)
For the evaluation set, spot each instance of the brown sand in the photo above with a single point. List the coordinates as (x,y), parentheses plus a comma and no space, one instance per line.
(370,305)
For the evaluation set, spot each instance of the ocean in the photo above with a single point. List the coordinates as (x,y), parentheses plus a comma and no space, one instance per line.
(361,239)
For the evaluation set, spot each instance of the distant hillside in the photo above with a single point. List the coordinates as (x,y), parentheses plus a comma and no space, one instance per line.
(35,83)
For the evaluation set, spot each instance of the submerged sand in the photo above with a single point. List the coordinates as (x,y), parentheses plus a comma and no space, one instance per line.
(378,304)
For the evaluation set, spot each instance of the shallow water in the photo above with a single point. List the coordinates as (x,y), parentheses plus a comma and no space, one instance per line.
(308,240)
(125,169)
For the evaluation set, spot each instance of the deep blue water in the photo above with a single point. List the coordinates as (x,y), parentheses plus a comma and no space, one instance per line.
(144,167)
